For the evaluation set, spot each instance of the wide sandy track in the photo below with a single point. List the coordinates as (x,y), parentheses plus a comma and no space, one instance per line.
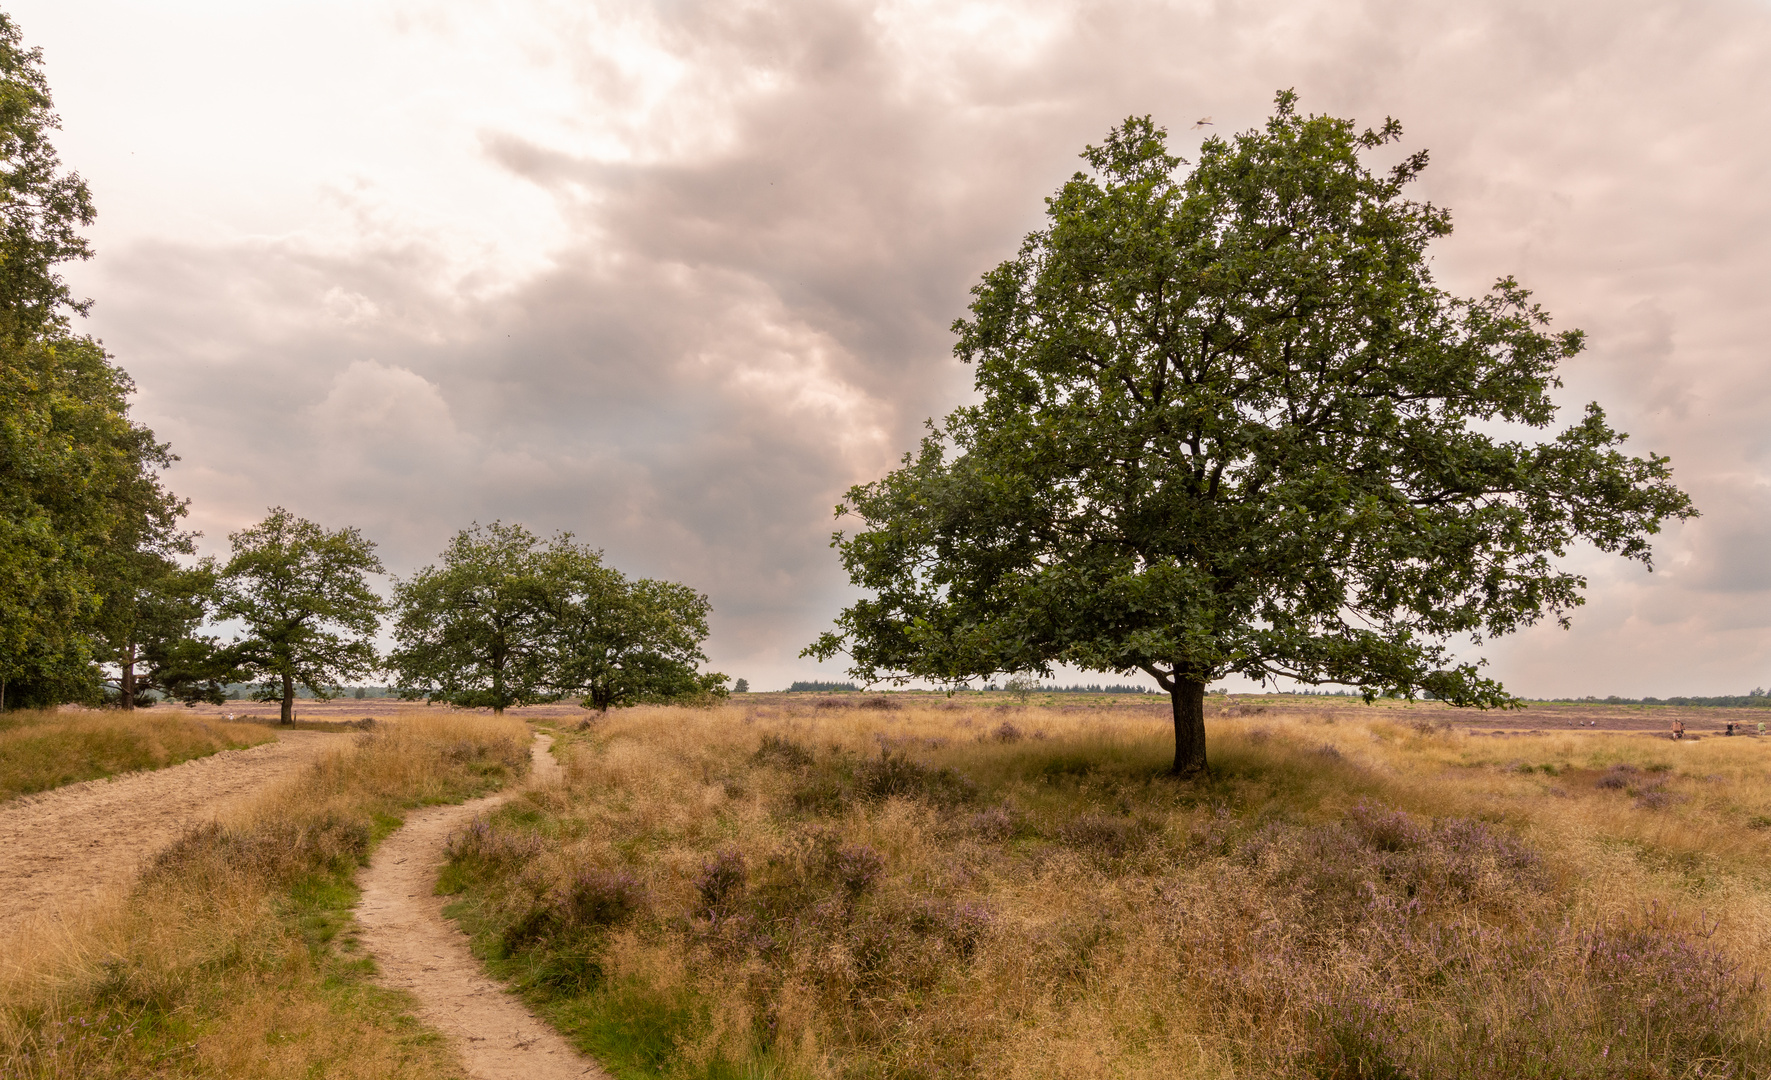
(62,848)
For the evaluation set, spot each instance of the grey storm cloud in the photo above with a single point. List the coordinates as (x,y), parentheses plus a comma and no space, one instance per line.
(746,309)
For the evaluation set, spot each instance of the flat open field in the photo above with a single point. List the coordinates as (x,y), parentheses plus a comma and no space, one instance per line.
(1545,717)
(912,886)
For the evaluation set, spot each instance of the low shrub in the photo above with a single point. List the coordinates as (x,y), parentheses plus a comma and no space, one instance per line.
(783,752)
(895,775)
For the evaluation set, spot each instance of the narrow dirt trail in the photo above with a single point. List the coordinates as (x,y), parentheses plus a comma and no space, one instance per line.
(421,951)
(65,847)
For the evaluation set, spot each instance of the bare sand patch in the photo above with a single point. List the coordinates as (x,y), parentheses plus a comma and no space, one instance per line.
(61,849)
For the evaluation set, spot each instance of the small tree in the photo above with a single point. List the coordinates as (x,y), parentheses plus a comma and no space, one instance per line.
(304,595)
(1229,424)
(742,686)
(625,642)
(477,629)
(148,633)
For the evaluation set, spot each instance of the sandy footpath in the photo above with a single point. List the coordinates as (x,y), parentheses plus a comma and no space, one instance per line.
(64,847)
(420,951)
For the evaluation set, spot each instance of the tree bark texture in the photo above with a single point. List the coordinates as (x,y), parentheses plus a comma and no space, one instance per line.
(127,682)
(1188,698)
(288,699)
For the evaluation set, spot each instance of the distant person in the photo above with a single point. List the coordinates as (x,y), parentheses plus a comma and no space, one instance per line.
(1730,730)
(1678,729)
(1761,729)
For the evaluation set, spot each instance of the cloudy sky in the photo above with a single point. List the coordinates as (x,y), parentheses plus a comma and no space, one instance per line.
(673,275)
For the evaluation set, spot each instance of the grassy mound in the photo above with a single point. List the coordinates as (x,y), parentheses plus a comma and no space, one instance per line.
(43,749)
(870,890)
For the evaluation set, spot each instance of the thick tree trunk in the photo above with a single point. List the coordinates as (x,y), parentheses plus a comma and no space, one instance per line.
(126,685)
(288,699)
(1188,698)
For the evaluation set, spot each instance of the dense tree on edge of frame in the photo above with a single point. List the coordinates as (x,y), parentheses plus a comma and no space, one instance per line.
(84,520)
(303,593)
(1230,424)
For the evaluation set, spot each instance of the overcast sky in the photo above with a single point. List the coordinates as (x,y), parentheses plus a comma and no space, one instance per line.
(673,276)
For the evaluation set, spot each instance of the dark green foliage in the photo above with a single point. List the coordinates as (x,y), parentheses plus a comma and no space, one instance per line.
(1230,424)
(781,751)
(83,516)
(42,208)
(476,630)
(148,632)
(507,620)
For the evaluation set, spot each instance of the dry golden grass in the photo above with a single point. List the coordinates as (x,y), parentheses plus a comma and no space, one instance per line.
(234,957)
(43,749)
(796,890)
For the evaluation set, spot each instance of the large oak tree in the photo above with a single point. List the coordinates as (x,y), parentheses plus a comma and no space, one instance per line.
(1229,423)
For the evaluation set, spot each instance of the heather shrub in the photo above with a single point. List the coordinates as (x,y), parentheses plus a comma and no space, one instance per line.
(781,751)
(720,883)
(896,775)
(599,898)
(1105,836)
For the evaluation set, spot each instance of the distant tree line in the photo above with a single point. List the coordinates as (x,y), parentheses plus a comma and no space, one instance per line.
(504,619)
(1755,699)
(813,685)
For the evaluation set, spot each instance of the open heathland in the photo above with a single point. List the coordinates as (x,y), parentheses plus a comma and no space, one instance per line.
(47,748)
(849,887)
(234,954)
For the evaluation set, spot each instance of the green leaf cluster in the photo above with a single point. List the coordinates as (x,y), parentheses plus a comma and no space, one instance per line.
(505,619)
(1229,423)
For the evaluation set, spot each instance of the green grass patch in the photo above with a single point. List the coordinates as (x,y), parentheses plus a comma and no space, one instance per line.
(43,750)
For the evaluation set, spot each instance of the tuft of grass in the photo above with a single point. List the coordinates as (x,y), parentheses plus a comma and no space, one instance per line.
(813,891)
(234,955)
(44,749)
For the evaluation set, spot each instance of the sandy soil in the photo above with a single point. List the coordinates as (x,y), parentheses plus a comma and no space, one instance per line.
(422,952)
(60,849)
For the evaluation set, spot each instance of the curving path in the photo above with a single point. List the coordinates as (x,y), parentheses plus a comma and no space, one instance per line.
(62,848)
(420,951)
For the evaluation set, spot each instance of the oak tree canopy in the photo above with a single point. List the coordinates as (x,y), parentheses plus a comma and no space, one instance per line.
(1230,424)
